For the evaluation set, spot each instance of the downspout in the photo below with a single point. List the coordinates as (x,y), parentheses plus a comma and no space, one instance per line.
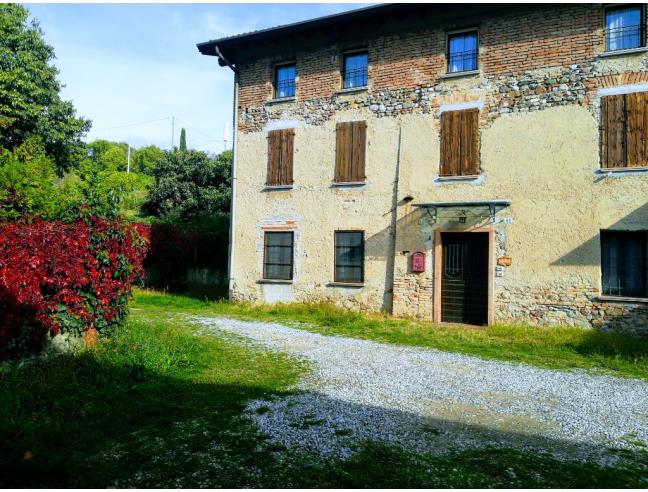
(232,236)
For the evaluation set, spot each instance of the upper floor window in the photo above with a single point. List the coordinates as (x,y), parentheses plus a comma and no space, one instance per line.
(280,157)
(624,127)
(623,263)
(624,28)
(285,80)
(355,70)
(350,152)
(460,143)
(462,52)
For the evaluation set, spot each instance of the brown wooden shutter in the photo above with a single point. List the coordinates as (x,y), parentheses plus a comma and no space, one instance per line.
(359,146)
(280,157)
(613,131)
(274,158)
(450,143)
(287,150)
(343,151)
(469,153)
(637,128)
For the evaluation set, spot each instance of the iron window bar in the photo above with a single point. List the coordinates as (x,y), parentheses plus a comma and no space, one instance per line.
(355,77)
(285,88)
(620,35)
(461,59)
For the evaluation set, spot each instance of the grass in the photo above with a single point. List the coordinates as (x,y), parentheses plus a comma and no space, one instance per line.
(159,406)
(556,347)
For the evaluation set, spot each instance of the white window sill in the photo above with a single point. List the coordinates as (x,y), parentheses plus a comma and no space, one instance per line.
(347,184)
(274,281)
(454,75)
(352,90)
(631,51)
(279,100)
(621,170)
(352,285)
(277,188)
(445,179)
(635,300)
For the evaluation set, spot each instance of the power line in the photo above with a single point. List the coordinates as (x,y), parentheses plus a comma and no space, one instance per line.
(128,125)
(210,137)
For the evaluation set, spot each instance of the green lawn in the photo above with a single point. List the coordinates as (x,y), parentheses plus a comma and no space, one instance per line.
(159,406)
(555,347)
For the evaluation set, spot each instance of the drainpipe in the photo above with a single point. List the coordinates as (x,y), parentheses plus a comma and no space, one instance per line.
(230,255)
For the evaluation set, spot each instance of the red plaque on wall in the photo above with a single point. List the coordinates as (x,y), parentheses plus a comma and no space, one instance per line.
(418,262)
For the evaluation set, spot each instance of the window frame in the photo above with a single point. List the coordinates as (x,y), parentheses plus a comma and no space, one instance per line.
(266,234)
(475,139)
(335,264)
(348,54)
(605,165)
(643,234)
(275,84)
(642,23)
(458,32)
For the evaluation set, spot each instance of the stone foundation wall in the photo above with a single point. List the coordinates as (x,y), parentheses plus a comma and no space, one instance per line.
(413,295)
(577,305)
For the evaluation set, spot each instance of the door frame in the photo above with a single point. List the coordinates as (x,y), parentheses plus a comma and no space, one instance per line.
(438,258)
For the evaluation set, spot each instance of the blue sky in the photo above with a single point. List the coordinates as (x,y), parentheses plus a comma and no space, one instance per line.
(132,63)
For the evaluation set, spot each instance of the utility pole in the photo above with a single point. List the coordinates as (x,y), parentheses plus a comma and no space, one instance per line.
(128,158)
(172,130)
(225,139)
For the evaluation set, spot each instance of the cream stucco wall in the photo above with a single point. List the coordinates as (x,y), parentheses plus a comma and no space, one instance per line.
(545,162)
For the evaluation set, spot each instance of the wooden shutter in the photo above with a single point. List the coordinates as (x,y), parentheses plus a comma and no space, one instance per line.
(359,146)
(637,128)
(343,151)
(280,157)
(460,143)
(613,131)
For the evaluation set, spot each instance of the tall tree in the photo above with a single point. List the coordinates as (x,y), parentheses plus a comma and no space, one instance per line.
(183,139)
(30,103)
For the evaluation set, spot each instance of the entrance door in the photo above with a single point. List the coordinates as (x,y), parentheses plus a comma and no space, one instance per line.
(464,277)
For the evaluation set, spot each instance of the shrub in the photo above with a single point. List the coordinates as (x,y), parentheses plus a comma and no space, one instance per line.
(65,277)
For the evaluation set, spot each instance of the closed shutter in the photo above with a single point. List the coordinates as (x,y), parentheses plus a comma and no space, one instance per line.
(280,157)
(350,151)
(460,143)
(469,153)
(358,150)
(637,128)
(613,131)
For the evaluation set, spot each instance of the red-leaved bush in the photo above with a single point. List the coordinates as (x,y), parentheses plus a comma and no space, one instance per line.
(65,277)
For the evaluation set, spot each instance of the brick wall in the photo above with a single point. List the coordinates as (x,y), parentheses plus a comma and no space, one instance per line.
(510,42)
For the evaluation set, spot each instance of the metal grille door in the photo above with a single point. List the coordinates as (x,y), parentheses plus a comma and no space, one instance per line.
(464,278)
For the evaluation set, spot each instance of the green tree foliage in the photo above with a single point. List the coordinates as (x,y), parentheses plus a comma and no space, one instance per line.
(190,184)
(30,104)
(146,159)
(183,139)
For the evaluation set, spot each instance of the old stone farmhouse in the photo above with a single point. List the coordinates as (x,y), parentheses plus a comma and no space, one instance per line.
(462,163)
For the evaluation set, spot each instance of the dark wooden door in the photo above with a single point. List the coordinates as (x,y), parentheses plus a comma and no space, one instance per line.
(464,278)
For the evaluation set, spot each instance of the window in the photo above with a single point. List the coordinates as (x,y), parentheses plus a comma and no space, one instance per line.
(460,143)
(462,52)
(280,157)
(624,28)
(285,80)
(623,130)
(623,263)
(349,256)
(350,149)
(278,255)
(355,70)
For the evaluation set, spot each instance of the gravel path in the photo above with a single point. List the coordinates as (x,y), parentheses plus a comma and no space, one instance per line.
(431,401)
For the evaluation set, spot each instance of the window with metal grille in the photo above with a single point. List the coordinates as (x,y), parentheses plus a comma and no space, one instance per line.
(349,256)
(623,263)
(462,52)
(278,255)
(355,70)
(624,28)
(285,80)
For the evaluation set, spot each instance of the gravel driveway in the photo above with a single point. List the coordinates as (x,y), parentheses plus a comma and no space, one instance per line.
(426,400)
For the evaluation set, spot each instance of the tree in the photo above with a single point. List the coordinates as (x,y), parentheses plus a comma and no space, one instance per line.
(30,104)
(190,184)
(183,139)
(146,159)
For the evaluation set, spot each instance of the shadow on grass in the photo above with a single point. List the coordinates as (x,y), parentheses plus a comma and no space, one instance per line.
(89,423)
